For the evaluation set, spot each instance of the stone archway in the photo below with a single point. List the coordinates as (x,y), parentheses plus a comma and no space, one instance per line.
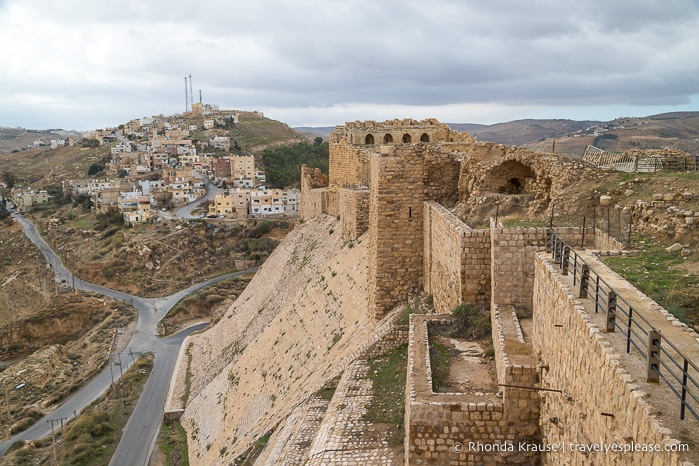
(425,137)
(369,139)
(510,177)
(387,139)
(406,138)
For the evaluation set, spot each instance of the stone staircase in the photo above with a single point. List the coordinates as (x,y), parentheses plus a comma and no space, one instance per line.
(334,432)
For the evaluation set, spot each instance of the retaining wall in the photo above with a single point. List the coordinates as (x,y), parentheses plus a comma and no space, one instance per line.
(599,403)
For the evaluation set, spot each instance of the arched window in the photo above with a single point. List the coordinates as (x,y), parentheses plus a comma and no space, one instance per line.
(406,138)
(387,139)
(424,138)
(369,139)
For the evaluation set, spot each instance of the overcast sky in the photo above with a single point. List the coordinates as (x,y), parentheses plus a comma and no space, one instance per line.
(79,64)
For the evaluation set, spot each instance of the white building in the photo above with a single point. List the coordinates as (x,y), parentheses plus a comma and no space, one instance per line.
(265,202)
(292,201)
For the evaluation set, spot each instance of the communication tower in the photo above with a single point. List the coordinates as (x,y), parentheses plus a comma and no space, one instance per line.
(186,95)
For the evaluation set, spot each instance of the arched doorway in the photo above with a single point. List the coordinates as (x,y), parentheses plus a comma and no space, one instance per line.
(406,138)
(369,139)
(387,139)
(424,138)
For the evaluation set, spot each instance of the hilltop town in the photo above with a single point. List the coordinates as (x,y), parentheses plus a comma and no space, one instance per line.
(138,152)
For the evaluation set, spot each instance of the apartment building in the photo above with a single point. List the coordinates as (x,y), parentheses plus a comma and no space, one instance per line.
(266,202)
(243,171)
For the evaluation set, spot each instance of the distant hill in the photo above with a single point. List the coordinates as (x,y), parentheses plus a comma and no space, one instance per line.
(676,130)
(519,132)
(311,132)
(13,139)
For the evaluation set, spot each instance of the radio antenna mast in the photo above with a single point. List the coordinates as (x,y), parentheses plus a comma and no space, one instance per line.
(191,94)
(186,95)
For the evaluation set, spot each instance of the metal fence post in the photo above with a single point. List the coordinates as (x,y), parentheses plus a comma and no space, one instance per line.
(584,281)
(611,310)
(565,260)
(683,398)
(653,356)
(629,324)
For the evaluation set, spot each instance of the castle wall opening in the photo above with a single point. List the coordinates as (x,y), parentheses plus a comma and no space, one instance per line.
(510,177)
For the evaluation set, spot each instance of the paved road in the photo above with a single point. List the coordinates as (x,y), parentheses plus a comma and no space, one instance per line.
(140,432)
(211,191)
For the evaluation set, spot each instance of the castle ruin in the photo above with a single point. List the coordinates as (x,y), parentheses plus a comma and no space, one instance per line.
(404,182)
(391,219)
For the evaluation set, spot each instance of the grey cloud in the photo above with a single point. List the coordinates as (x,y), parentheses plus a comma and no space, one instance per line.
(322,54)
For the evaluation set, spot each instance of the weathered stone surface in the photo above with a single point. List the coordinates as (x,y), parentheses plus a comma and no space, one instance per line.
(674,248)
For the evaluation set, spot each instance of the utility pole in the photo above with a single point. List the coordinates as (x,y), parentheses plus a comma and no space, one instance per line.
(53,437)
(121,371)
(53,441)
(109,361)
(63,444)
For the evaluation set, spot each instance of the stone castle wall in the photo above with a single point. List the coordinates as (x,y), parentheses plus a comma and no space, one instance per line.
(354,212)
(314,193)
(516,367)
(400,164)
(439,426)
(578,360)
(513,256)
(395,227)
(349,165)
(456,261)
(604,242)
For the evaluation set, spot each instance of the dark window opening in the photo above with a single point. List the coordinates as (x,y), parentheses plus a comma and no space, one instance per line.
(424,138)
(406,138)
(387,139)
(369,139)
(513,186)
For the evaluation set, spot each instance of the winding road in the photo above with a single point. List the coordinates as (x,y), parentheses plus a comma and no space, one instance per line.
(138,438)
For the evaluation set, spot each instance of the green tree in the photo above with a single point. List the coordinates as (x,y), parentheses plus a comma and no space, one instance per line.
(283,164)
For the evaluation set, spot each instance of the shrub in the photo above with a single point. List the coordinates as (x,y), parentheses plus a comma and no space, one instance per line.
(471,321)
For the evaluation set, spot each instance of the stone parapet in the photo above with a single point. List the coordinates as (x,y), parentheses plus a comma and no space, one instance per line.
(598,401)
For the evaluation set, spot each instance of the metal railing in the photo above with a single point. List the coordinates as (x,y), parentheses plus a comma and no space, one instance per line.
(664,360)
(639,163)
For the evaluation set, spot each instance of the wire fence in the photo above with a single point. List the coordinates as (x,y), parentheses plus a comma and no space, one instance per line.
(615,221)
(664,360)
